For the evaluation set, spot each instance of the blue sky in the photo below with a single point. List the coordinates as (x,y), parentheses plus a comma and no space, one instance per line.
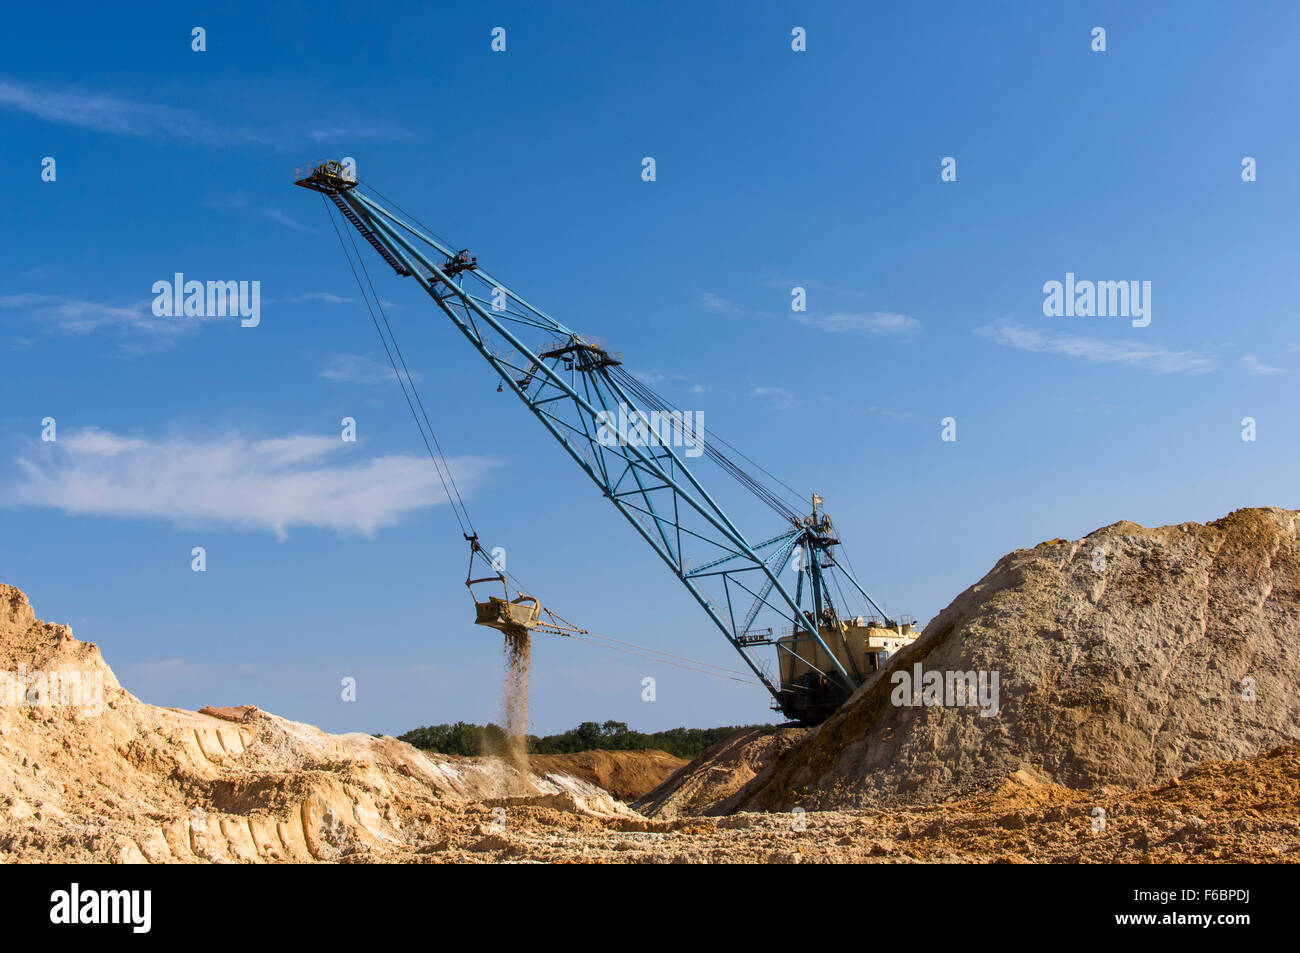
(775,169)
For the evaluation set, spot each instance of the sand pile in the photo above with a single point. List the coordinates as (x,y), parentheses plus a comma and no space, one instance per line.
(88,771)
(710,783)
(1123,658)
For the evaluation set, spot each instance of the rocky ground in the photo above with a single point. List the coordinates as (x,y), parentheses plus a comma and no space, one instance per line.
(1235,812)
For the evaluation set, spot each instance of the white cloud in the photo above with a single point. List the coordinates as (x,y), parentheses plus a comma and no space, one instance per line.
(278,215)
(95,442)
(301,480)
(673,380)
(711,302)
(121,116)
(355,369)
(781,398)
(1147,356)
(324,296)
(358,131)
(104,112)
(79,316)
(1255,366)
(878,323)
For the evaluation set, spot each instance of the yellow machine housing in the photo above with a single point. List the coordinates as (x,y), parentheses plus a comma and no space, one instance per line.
(861,645)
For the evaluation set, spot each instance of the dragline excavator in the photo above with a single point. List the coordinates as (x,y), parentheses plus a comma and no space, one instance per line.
(790,590)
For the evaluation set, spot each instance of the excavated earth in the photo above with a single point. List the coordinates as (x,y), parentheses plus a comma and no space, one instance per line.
(1125,658)
(1147,712)
(627,775)
(712,782)
(90,772)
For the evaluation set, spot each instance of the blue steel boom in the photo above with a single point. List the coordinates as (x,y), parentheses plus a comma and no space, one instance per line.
(575,386)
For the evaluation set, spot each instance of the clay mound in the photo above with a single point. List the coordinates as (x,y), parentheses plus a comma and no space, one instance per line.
(709,783)
(1124,658)
(627,775)
(88,772)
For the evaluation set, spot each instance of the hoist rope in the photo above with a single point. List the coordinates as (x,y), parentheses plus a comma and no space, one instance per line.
(766,494)
(697,669)
(451,478)
(404,382)
(411,218)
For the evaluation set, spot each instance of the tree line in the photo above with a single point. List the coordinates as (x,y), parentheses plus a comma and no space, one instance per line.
(469,740)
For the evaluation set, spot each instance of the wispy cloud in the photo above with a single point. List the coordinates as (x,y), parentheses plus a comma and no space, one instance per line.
(355,369)
(231,481)
(358,131)
(68,315)
(239,201)
(674,380)
(876,323)
(1253,364)
(324,296)
(118,115)
(115,115)
(717,304)
(780,398)
(277,215)
(1146,356)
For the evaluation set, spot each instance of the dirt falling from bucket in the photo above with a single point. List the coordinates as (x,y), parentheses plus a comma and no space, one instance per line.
(518,651)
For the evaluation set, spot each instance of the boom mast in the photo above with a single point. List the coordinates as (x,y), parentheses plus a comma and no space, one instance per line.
(573,386)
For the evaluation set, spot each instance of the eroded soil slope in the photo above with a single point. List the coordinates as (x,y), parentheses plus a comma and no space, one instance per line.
(90,772)
(710,783)
(627,775)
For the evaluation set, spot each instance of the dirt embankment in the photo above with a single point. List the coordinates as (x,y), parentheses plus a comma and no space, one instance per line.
(627,775)
(710,783)
(90,772)
(1124,658)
